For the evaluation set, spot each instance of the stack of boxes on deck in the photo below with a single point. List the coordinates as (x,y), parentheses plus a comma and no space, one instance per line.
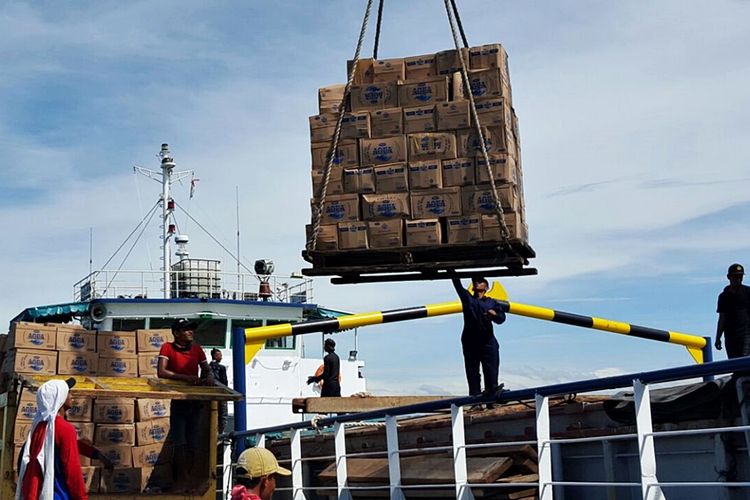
(131,432)
(409,169)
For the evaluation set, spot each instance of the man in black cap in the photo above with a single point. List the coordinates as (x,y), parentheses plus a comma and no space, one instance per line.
(734,314)
(185,360)
(331,372)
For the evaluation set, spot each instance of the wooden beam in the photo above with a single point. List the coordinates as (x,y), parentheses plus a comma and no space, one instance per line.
(354,404)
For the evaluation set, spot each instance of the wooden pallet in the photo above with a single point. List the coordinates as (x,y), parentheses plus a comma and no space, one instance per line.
(420,263)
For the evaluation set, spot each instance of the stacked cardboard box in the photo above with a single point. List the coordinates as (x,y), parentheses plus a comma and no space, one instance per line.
(409,169)
(133,433)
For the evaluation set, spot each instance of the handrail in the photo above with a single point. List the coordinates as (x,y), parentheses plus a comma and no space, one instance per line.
(591,385)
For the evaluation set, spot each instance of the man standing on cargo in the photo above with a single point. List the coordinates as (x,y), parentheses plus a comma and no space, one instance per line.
(734,314)
(331,375)
(183,359)
(219,372)
(478,338)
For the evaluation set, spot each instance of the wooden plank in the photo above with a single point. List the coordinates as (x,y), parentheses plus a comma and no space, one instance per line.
(519,478)
(527,465)
(357,404)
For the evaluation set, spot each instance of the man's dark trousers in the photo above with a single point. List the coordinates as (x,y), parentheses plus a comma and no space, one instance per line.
(488,356)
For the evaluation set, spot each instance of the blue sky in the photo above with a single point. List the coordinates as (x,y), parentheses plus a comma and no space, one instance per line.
(634,125)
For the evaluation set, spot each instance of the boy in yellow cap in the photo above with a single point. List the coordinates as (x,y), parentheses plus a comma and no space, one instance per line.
(255,475)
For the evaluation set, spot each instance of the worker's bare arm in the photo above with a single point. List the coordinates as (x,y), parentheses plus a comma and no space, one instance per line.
(163,372)
(719,331)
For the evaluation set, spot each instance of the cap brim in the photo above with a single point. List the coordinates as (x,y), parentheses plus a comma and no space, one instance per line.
(283,471)
(71,382)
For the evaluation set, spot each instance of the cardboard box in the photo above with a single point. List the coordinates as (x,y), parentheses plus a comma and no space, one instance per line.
(151,340)
(458,172)
(114,434)
(322,127)
(489,56)
(159,478)
(340,208)
(365,71)
(467,229)
(391,178)
(16,453)
(75,339)
(453,115)
(359,180)
(26,406)
(422,93)
(386,233)
(31,361)
(21,430)
(432,146)
(444,202)
(374,96)
(491,227)
(84,430)
(495,113)
(148,364)
(81,409)
(352,235)
(114,411)
(149,409)
(385,206)
(448,62)
(423,232)
(425,174)
(121,456)
(77,363)
(347,154)
(479,199)
(503,169)
(151,454)
(327,237)
(354,125)
(495,140)
(125,480)
(32,336)
(382,151)
(331,107)
(91,478)
(419,119)
(389,70)
(335,181)
(120,366)
(386,122)
(330,98)
(488,84)
(115,343)
(420,67)
(152,431)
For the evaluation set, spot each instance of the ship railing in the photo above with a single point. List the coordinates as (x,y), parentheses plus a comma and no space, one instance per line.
(191,283)
(551,482)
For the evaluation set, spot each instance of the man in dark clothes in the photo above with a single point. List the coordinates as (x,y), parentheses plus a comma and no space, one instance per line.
(734,314)
(478,338)
(219,372)
(330,375)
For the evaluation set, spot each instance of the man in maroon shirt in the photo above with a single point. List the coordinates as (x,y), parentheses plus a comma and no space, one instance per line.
(185,360)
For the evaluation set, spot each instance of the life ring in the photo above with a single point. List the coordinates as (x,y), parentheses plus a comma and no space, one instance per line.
(320,371)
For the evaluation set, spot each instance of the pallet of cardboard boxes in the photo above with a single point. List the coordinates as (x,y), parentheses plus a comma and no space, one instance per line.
(132,432)
(408,174)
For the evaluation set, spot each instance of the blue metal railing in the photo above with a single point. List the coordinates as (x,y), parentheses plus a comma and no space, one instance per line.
(583,386)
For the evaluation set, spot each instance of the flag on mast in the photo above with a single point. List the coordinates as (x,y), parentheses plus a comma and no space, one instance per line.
(193,185)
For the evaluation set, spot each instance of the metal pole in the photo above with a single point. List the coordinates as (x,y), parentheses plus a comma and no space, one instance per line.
(341,472)
(708,356)
(544,447)
(296,455)
(238,373)
(394,458)
(647,454)
(166,172)
(460,468)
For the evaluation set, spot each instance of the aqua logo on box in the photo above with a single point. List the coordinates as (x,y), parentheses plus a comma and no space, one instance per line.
(36,363)
(80,365)
(422,92)
(383,152)
(155,340)
(36,337)
(157,433)
(485,201)
(118,366)
(478,87)
(373,94)
(435,205)
(76,341)
(116,436)
(151,458)
(385,208)
(335,210)
(117,343)
(28,410)
(113,414)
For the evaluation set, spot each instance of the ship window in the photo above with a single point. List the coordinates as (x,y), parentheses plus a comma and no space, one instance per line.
(127,324)
(211,333)
(158,323)
(281,342)
(244,323)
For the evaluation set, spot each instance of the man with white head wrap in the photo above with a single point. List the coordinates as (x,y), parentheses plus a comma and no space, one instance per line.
(50,467)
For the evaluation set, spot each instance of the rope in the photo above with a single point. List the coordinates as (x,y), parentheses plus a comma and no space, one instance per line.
(459,23)
(504,233)
(337,134)
(377,30)
(147,216)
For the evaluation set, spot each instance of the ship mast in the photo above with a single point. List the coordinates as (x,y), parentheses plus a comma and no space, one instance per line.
(166,177)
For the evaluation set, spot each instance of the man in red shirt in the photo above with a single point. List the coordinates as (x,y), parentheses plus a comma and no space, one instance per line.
(185,360)
(50,467)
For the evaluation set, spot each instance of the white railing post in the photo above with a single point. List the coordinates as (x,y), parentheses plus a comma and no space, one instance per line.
(260,440)
(394,457)
(544,448)
(341,472)
(463,492)
(296,454)
(649,483)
